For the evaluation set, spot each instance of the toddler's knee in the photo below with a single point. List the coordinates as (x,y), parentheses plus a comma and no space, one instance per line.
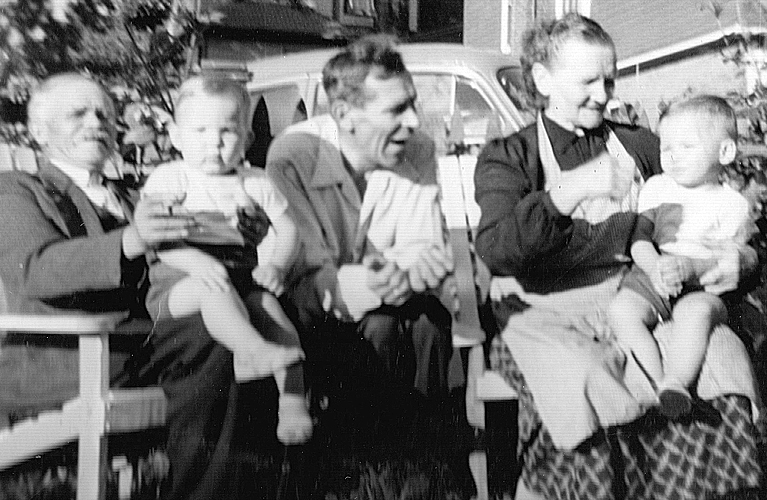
(703,306)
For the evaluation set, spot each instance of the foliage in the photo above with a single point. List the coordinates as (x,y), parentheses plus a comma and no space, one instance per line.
(139,49)
(748,51)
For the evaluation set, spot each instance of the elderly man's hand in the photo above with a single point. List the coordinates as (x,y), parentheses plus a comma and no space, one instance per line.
(431,268)
(387,280)
(153,224)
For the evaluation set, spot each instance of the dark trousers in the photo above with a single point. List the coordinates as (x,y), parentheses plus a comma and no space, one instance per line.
(367,378)
(197,376)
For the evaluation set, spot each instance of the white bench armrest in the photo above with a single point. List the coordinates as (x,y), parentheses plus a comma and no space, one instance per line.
(80,324)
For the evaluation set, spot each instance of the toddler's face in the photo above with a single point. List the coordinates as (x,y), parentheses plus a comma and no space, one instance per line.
(210,133)
(687,153)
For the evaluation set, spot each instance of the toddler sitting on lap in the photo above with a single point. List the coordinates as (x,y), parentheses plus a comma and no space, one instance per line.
(214,273)
(684,213)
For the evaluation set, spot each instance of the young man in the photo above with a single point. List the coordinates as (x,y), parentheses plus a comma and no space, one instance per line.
(362,188)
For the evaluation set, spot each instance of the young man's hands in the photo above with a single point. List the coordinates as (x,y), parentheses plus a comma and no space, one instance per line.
(270,277)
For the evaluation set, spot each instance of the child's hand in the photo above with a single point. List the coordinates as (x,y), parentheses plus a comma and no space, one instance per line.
(271,278)
(669,275)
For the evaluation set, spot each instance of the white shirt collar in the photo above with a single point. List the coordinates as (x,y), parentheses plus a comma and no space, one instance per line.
(80,176)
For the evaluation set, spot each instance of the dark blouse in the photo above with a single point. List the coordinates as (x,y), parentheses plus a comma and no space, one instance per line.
(522,234)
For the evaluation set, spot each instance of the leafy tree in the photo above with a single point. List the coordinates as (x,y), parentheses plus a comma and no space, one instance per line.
(139,49)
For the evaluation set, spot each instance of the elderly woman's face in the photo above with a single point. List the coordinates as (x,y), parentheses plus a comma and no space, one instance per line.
(79,128)
(578,83)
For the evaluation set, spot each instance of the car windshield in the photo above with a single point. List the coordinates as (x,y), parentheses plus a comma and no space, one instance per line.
(510,78)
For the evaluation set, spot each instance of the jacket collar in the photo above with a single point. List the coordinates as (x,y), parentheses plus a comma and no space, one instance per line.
(330,162)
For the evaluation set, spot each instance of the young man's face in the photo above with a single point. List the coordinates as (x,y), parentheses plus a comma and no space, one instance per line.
(578,84)
(210,133)
(385,122)
(690,149)
(79,128)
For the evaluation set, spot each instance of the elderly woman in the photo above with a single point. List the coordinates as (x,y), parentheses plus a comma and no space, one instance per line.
(558,204)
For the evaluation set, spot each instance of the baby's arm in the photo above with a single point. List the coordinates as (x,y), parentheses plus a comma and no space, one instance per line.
(276,254)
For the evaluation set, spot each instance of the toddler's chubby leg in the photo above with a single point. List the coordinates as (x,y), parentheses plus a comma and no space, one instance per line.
(294,424)
(695,316)
(227,321)
(632,319)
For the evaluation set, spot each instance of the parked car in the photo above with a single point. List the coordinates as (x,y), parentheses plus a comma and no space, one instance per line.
(480,86)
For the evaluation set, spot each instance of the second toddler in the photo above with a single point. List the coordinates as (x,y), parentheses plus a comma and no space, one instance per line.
(686,216)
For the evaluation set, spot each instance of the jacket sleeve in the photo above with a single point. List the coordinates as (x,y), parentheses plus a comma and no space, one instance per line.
(313,282)
(519,226)
(39,261)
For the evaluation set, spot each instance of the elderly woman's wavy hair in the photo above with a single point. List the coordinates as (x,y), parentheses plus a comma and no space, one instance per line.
(543,43)
(343,77)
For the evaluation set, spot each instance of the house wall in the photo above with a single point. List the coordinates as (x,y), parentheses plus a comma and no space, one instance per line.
(483,25)
(700,73)
(640,26)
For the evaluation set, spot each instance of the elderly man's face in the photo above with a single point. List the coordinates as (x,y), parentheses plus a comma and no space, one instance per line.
(79,128)
(386,121)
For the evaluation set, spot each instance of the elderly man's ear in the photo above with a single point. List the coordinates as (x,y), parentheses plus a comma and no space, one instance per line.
(39,132)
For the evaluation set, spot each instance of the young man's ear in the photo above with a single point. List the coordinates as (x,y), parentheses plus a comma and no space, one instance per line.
(341,111)
(39,132)
(542,78)
(727,151)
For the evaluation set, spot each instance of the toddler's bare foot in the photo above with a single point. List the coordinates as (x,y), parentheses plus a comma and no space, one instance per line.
(294,425)
(264,360)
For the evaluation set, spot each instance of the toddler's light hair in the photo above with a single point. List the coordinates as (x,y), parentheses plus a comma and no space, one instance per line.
(714,108)
(213,86)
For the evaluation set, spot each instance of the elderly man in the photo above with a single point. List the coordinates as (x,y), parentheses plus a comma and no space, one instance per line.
(362,188)
(71,244)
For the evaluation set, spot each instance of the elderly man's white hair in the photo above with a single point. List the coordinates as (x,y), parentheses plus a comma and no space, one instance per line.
(39,105)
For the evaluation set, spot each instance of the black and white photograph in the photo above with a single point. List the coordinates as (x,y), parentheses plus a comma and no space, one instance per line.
(383,249)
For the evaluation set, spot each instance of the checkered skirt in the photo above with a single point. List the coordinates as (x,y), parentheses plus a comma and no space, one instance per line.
(713,454)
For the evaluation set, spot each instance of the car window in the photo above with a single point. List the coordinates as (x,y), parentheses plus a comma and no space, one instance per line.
(512,81)
(435,105)
(476,112)
(274,110)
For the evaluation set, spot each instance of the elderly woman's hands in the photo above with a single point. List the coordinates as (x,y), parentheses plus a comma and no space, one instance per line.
(600,177)
(731,261)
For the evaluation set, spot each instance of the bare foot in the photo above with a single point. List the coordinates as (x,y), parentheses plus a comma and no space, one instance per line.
(264,360)
(294,422)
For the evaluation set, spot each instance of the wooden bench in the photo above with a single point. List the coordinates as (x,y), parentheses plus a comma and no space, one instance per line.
(95,413)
